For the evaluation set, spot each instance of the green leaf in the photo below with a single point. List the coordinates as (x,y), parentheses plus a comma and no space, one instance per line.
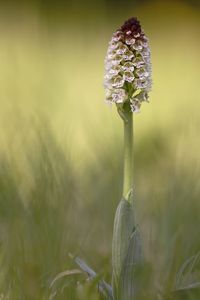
(186,276)
(187,285)
(104,288)
(124,225)
(131,271)
(191,292)
(85,267)
(64,274)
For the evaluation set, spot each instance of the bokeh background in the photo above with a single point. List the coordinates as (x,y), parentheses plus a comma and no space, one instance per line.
(61,147)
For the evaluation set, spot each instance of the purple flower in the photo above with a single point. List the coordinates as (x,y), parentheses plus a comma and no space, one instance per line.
(128,67)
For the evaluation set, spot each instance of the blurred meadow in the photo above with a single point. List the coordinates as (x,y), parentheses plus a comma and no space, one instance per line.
(61,147)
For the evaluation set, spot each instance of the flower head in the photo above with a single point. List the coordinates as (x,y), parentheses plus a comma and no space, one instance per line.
(128,67)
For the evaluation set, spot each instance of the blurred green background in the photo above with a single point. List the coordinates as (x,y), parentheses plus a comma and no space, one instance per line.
(61,147)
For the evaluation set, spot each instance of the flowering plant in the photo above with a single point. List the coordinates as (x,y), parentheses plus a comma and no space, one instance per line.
(128,83)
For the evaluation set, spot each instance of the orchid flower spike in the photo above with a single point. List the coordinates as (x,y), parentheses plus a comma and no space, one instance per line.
(128,67)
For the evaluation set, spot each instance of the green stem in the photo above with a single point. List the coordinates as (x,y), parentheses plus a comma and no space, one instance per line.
(128,153)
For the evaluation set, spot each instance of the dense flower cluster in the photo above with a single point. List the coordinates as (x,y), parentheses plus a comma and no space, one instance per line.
(128,66)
